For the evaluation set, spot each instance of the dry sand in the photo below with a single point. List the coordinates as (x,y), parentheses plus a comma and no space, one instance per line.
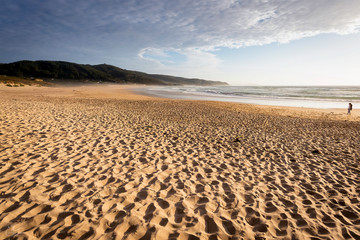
(102,163)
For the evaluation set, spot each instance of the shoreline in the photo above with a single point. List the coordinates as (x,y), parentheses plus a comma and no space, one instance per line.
(186,93)
(135,91)
(104,163)
(336,113)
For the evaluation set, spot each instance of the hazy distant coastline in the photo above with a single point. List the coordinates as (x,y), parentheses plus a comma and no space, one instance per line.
(67,72)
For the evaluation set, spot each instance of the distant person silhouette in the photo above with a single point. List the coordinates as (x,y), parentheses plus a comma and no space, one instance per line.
(349,108)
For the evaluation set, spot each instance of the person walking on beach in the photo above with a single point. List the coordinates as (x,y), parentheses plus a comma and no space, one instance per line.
(349,108)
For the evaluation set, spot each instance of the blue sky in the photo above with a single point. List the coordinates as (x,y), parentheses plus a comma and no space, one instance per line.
(245,42)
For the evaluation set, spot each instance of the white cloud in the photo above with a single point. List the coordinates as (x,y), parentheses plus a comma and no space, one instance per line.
(208,24)
(158,28)
(187,23)
(205,23)
(185,62)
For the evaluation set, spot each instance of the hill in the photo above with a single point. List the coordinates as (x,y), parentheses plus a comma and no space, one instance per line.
(59,71)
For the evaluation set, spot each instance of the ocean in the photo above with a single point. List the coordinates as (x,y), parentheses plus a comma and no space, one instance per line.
(292,96)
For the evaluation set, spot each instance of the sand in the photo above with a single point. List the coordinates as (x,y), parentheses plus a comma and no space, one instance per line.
(103,163)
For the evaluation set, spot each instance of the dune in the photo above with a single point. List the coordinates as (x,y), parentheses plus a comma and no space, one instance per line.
(99,162)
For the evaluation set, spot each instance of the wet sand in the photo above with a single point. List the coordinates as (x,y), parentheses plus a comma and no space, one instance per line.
(103,163)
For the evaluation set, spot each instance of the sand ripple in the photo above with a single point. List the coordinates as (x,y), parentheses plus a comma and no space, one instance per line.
(95,168)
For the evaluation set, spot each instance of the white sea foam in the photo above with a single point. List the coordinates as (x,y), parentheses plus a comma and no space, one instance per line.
(294,96)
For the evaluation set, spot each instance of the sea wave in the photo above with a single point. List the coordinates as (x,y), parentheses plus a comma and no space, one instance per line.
(314,97)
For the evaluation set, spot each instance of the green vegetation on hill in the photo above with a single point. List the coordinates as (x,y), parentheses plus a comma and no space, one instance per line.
(60,71)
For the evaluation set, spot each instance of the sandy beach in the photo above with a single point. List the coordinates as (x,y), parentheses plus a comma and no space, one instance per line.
(99,162)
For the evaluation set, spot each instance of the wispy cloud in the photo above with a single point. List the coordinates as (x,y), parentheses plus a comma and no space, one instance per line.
(180,61)
(191,28)
(207,25)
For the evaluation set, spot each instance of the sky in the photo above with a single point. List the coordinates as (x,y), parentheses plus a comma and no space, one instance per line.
(242,42)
